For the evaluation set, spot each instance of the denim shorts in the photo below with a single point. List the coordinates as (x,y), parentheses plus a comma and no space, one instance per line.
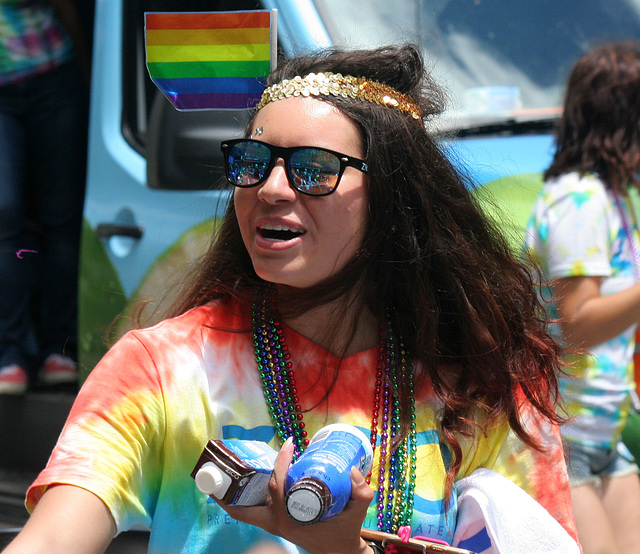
(590,464)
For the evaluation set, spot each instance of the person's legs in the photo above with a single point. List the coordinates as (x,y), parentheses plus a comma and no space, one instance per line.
(57,149)
(14,266)
(584,465)
(621,499)
(595,532)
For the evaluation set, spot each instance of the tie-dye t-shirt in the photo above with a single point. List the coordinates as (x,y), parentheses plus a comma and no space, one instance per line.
(576,229)
(32,40)
(144,415)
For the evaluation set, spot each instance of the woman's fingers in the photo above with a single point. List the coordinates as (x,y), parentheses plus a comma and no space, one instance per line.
(279,475)
(272,516)
(340,533)
(361,492)
(361,497)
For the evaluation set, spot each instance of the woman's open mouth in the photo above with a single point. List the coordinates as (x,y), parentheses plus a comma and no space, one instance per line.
(279,232)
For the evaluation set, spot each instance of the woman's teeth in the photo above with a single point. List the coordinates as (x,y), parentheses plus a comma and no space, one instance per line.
(279,232)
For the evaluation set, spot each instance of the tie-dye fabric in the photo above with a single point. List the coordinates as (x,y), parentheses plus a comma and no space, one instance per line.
(32,40)
(576,230)
(146,411)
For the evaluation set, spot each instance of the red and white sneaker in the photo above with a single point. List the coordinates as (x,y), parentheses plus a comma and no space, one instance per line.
(57,370)
(13,380)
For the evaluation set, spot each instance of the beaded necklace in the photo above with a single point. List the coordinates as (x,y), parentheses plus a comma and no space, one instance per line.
(397,466)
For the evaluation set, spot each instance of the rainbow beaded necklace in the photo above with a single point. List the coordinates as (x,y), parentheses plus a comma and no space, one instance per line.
(397,463)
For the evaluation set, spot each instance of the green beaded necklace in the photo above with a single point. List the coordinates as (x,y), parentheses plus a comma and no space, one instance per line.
(397,468)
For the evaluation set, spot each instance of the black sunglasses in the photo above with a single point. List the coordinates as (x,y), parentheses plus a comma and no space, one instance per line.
(309,169)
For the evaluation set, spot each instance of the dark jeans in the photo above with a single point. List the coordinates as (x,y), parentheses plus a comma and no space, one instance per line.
(43,145)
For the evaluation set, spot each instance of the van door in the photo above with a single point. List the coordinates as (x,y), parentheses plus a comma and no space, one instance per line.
(153,184)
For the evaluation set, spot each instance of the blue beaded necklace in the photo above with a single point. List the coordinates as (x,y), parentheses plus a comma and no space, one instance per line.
(397,466)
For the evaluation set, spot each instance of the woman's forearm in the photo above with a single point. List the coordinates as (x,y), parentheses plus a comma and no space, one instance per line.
(589,319)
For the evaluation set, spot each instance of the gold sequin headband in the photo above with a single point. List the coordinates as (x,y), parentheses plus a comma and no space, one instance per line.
(336,84)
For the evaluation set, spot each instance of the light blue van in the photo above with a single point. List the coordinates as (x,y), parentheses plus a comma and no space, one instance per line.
(152,201)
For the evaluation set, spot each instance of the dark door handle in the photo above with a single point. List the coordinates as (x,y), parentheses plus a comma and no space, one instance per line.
(108,230)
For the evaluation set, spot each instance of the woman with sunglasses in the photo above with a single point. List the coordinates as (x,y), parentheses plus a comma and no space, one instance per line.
(353,280)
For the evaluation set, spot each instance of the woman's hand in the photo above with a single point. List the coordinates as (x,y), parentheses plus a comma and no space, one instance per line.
(337,535)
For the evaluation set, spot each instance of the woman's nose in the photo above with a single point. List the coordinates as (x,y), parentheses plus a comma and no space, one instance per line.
(276,188)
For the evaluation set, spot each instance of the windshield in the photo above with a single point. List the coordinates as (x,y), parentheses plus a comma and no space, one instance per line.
(497,58)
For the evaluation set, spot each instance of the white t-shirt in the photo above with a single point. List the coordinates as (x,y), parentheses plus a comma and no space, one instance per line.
(576,229)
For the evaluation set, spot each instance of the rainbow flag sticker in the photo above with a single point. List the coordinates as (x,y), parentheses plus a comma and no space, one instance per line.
(211,60)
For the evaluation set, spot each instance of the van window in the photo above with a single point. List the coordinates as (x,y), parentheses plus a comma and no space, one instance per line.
(496,57)
(138,92)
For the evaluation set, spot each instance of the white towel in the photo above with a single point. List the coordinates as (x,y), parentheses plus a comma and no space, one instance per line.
(492,507)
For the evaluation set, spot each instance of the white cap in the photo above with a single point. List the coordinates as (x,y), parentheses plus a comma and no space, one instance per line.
(304,505)
(211,480)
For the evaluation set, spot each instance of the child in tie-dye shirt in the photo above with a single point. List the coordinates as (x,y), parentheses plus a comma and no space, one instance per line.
(577,230)
(584,237)
(352,280)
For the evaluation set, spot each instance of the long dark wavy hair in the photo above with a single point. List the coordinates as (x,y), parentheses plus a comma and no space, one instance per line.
(463,305)
(599,131)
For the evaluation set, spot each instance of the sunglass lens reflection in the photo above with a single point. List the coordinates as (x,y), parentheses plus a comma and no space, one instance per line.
(314,171)
(310,170)
(248,163)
